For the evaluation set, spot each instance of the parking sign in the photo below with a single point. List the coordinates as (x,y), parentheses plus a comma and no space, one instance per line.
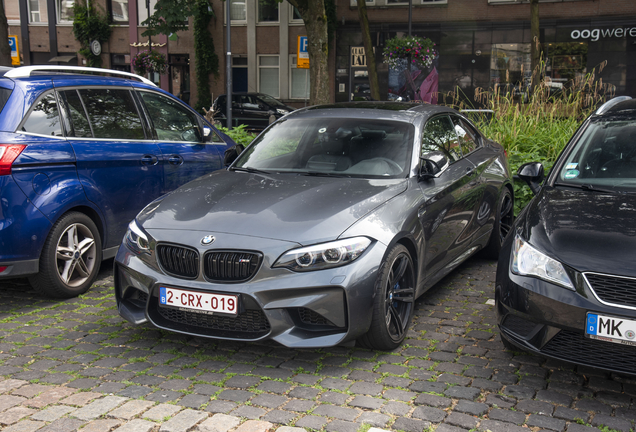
(15,53)
(303,54)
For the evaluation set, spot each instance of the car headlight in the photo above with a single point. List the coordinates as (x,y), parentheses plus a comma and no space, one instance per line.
(325,255)
(282,111)
(528,261)
(137,239)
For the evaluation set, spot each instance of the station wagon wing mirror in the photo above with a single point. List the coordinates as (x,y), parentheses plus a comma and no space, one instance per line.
(532,173)
(232,153)
(207,134)
(432,164)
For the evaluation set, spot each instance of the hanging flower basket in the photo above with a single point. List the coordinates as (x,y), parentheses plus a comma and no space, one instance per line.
(417,50)
(149,61)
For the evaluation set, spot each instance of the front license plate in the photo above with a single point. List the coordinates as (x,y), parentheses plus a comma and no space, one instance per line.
(198,301)
(611,329)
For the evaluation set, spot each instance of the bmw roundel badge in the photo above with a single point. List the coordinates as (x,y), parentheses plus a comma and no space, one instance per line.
(207,240)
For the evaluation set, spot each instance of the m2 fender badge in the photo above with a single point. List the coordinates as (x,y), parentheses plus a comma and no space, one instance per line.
(207,240)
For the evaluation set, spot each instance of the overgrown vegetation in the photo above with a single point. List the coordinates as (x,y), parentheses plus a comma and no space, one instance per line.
(239,134)
(89,25)
(539,129)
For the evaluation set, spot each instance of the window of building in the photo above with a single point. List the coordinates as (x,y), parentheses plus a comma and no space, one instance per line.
(142,10)
(12,11)
(239,74)
(294,15)
(369,2)
(299,81)
(416,1)
(120,62)
(268,11)
(118,11)
(37,12)
(238,10)
(268,72)
(65,13)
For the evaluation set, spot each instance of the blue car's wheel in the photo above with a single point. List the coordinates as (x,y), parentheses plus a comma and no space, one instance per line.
(394,301)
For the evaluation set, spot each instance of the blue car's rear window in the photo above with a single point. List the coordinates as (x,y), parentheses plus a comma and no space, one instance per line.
(4,96)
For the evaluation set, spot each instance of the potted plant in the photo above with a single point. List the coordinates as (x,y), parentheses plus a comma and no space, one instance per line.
(416,50)
(149,61)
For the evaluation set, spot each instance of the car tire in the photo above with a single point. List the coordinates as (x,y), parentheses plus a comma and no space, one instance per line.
(70,258)
(393,302)
(504,219)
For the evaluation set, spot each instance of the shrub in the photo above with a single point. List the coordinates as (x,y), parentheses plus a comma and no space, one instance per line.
(239,134)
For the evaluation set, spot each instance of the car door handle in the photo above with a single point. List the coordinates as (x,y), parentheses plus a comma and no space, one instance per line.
(175,160)
(149,160)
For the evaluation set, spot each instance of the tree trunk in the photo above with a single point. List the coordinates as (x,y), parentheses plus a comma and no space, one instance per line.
(535,49)
(315,19)
(5,50)
(368,50)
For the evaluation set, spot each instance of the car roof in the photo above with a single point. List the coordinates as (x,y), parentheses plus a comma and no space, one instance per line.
(622,108)
(375,109)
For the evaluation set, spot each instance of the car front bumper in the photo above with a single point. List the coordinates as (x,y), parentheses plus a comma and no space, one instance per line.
(301,310)
(549,320)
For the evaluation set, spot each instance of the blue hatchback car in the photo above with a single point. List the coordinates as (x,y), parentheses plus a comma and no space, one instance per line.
(81,155)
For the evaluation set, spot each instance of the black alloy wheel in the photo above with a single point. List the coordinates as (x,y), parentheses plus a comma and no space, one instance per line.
(394,301)
(504,220)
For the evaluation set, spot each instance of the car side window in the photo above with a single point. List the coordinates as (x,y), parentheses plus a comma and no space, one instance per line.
(79,126)
(44,118)
(466,135)
(113,114)
(439,135)
(171,120)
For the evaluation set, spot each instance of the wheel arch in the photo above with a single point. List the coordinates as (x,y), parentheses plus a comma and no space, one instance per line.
(92,214)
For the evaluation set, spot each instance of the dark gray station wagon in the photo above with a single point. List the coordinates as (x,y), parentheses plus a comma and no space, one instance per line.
(323,231)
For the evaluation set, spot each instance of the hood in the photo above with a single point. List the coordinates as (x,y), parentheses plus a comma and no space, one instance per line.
(287,207)
(588,231)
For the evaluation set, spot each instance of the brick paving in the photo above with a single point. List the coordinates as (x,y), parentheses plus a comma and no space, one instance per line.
(75,365)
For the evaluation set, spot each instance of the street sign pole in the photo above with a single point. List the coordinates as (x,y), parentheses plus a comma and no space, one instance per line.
(228,67)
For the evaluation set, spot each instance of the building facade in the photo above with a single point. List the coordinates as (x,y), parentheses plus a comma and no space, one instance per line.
(486,43)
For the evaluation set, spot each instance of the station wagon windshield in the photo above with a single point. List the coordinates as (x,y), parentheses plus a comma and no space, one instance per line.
(333,146)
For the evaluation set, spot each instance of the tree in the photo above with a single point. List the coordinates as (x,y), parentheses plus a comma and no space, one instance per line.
(5,49)
(368,49)
(316,23)
(535,46)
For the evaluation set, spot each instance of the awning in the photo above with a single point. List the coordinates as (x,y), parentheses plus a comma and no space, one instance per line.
(63,59)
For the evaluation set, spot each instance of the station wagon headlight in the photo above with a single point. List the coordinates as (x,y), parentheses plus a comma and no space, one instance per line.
(137,239)
(325,255)
(528,261)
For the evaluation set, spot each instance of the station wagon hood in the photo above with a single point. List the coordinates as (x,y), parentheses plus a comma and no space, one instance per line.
(291,207)
(588,231)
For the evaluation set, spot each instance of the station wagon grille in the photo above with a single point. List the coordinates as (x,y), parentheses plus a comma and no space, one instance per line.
(230,266)
(178,261)
(615,290)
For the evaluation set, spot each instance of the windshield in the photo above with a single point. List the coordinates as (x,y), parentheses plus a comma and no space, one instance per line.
(333,146)
(603,158)
(270,100)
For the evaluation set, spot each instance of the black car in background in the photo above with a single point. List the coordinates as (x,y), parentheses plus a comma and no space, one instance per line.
(250,109)
(566,280)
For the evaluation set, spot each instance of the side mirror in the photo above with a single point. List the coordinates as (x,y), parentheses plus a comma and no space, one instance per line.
(231,154)
(432,164)
(532,173)
(207,134)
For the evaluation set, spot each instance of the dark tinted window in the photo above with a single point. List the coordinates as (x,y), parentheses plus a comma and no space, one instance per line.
(439,135)
(112,113)
(466,135)
(4,97)
(44,118)
(79,122)
(171,120)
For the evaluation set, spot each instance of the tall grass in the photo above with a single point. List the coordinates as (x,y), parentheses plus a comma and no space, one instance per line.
(537,129)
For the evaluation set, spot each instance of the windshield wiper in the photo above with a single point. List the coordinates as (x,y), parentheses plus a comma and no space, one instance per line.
(249,170)
(589,187)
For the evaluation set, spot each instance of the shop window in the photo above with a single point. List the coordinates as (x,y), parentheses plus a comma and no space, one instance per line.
(268,11)
(268,72)
(299,81)
(510,68)
(565,62)
(12,11)
(238,11)
(118,11)
(65,13)
(38,12)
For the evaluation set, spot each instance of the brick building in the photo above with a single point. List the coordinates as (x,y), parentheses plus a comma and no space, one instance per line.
(486,42)
(481,43)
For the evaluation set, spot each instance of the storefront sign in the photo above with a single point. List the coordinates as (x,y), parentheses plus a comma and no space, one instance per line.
(595,34)
(358,57)
(303,54)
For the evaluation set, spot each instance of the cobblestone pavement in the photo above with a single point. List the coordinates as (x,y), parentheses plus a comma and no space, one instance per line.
(75,364)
